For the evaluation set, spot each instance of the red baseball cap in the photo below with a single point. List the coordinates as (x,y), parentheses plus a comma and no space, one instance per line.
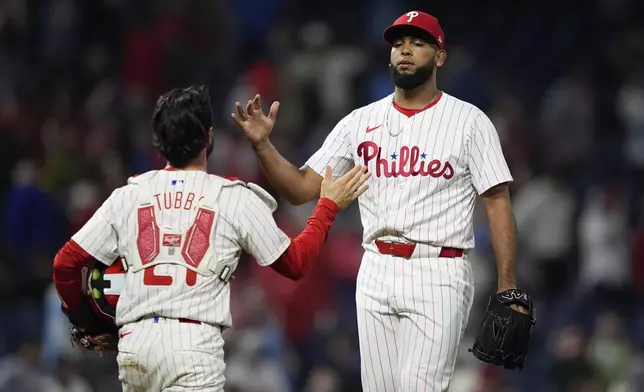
(418,23)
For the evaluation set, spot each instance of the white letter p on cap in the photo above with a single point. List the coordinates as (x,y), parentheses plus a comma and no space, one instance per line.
(411,15)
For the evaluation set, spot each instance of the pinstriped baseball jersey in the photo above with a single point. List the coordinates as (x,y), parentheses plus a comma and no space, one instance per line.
(427,167)
(243,222)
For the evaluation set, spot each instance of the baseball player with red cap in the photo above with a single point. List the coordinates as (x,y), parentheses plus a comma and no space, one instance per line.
(430,155)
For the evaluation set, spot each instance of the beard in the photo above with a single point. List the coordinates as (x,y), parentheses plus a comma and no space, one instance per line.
(410,81)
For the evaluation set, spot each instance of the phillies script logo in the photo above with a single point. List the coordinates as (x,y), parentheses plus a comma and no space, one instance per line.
(410,162)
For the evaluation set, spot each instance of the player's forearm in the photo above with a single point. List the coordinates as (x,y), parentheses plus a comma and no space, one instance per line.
(68,265)
(504,235)
(288,180)
(304,249)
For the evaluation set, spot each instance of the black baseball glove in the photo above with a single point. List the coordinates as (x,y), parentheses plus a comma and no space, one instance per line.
(89,331)
(504,337)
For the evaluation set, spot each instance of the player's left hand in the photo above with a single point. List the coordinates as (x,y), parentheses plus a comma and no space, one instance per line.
(255,124)
(504,337)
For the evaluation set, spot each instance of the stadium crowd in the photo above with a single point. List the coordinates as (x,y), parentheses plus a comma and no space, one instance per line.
(563,82)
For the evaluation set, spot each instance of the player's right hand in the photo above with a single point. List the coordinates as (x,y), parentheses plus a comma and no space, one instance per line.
(347,188)
(253,122)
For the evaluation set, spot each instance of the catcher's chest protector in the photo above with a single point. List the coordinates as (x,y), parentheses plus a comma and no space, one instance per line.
(190,247)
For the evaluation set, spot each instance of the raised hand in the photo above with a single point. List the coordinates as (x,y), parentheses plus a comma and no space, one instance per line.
(347,188)
(256,125)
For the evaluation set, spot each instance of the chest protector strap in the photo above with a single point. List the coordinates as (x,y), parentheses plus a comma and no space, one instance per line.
(192,247)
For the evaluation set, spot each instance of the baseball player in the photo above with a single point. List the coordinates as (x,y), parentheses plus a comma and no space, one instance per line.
(180,232)
(430,154)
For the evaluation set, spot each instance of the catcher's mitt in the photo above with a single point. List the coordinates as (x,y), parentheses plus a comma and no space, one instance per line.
(106,341)
(504,337)
(91,332)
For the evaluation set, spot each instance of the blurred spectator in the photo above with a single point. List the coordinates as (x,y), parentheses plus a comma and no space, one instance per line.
(630,100)
(345,360)
(56,342)
(80,79)
(571,371)
(255,347)
(637,259)
(567,134)
(509,118)
(143,57)
(323,379)
(462,78)
(325,73)
(604,248)
(68,379)
(31,218)
(84,201)
(21,373)
(610,351)
(544,211)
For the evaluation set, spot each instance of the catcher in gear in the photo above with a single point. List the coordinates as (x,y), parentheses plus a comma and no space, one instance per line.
(93,324)
(176,317)
(504,337)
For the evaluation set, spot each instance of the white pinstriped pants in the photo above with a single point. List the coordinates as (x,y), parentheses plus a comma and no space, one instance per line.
(166,355)
(411,316)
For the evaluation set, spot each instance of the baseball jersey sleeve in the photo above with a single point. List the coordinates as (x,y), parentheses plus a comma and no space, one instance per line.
(98,236)
(259,234)
(336,150)
(486,160)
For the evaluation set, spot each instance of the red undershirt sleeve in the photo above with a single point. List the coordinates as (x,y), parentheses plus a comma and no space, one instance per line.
(305,248)
(68,265)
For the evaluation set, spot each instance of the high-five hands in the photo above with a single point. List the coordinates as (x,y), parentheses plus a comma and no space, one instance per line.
(347,188)
(256,125)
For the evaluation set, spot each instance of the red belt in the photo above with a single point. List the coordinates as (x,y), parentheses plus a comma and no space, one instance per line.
(188,321)
(405,250)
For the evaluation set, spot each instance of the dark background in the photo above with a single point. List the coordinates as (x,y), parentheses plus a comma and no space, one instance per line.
(563,81)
